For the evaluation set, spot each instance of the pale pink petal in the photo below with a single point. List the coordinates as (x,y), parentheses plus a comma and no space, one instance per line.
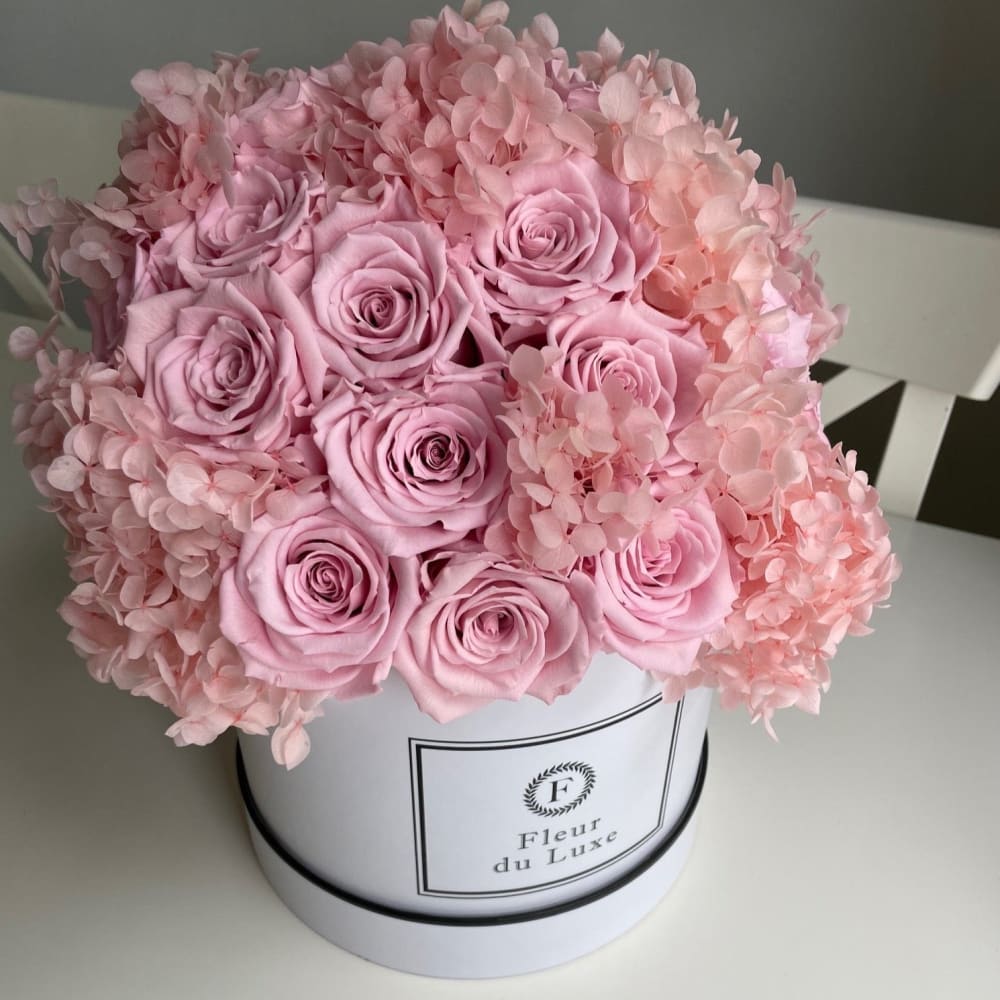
(290,745)
(66,473)
(23,343)
(619,99)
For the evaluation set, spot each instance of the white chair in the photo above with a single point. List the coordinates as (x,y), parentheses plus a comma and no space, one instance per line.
(924,296)
(924,293)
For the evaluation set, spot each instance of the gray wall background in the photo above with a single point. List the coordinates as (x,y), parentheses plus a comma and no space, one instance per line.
(891,103)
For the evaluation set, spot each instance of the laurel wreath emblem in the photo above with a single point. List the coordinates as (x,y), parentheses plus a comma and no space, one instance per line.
(575,766)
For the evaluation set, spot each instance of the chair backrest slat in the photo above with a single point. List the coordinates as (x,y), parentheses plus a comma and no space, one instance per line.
(849,389)
(914,442)
(24,281)
(924,295)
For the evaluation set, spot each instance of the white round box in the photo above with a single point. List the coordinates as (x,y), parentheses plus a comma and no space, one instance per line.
(513,839)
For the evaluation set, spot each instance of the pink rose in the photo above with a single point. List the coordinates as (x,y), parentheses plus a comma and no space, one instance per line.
(655,357)
(255,218)
(232,366)
(416,470)
(567,243)
(486,629)
(292,115)
(313,603)
(391,298)
(667,590)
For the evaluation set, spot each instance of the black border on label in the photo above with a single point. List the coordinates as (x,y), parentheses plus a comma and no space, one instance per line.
(269,837)
(417,793)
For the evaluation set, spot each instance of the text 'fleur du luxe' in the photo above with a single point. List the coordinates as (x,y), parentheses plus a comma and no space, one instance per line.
(550,846)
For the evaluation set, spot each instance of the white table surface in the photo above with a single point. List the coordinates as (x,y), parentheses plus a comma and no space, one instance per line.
(857,858)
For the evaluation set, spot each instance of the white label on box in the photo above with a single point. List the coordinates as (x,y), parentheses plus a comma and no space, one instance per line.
(506,818)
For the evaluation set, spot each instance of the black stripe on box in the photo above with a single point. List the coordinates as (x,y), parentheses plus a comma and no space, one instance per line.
(477,921)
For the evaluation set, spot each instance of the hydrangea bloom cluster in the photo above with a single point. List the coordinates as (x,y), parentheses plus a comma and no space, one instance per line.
(456,357)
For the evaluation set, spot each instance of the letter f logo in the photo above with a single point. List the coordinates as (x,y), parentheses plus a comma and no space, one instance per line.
(559,786)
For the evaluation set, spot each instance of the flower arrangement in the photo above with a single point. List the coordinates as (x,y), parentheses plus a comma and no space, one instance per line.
(455,357)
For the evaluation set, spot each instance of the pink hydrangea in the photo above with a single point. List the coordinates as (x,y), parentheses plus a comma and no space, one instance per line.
(177,148)
(814,575)
(579,464)
(813,545)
